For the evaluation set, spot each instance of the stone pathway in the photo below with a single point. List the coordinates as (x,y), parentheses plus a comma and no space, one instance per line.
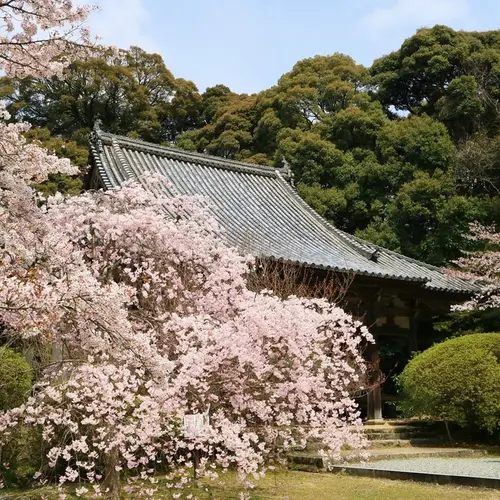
(473,467)
(313,461)
(409,450)
(483,472)
(423,451)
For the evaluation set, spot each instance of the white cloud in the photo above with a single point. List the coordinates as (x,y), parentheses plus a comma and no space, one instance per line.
(123,23)
(404,14)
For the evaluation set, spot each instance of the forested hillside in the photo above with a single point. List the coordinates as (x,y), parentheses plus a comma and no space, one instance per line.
(405,153)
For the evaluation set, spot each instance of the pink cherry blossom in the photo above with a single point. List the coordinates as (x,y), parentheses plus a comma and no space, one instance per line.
(40,37)
(138,313)
(482,267)
(267,370)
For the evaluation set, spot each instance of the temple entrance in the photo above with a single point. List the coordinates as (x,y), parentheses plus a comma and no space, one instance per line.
(394,353)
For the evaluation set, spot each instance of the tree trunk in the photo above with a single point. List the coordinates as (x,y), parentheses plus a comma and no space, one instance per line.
(448,431)
(112,476)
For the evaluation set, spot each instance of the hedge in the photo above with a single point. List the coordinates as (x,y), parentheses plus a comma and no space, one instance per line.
(15,378)
(457,381)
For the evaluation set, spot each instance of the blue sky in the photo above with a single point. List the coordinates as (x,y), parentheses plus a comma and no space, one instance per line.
(249,44)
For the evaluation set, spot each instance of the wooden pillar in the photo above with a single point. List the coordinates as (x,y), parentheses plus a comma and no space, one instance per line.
(374,397)
(414,318)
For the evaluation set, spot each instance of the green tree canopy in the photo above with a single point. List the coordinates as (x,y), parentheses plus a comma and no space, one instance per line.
(132,93)
(430,219)
(419,141)
(449,74)
(405,153)
(456,381)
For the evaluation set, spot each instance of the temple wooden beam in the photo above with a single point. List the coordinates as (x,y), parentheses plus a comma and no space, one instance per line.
(374,398)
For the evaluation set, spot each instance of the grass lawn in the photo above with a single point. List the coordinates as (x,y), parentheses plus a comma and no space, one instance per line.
(294,485)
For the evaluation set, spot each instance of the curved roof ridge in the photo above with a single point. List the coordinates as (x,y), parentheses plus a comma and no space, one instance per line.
(211,160)
(96,151)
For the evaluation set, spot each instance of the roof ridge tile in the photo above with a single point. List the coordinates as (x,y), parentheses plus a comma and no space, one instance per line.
(168,151)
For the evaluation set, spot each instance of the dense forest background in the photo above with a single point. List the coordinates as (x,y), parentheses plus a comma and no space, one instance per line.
(405,153)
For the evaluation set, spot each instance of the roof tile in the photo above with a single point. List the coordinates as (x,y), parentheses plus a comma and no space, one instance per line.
(260,211)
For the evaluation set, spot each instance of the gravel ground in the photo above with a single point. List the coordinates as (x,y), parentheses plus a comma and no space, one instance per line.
(472,467)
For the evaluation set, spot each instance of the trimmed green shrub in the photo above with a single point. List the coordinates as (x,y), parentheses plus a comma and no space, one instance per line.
(15,378)
(20,456)
(457,381)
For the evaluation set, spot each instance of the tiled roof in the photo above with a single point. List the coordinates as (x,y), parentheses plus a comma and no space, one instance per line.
(260,211)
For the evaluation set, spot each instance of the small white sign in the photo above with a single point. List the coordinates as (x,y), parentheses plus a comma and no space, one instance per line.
(195,425)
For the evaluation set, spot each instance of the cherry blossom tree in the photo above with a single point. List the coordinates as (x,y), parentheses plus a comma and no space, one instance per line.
(41,37)
(46,290)
(484,268)
(139,316)
(35,36)
(192,340)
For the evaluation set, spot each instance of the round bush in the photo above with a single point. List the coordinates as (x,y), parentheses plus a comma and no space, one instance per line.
(15,378)
(456,381)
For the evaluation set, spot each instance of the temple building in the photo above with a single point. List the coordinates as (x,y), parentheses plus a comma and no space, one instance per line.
(263,215)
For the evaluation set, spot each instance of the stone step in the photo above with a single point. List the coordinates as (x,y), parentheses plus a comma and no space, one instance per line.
(435,451)
(313,462)
(403,433)
(375,435)
(398,443)
(405,427)
(390,428)
(393,442)
(395,434)
(402,422)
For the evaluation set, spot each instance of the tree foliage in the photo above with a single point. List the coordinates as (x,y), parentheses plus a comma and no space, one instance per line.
(131,92)
(374,139)
(139,315)
(15,379)
(161,325)
(456,381)
(482,266)
(447,74)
